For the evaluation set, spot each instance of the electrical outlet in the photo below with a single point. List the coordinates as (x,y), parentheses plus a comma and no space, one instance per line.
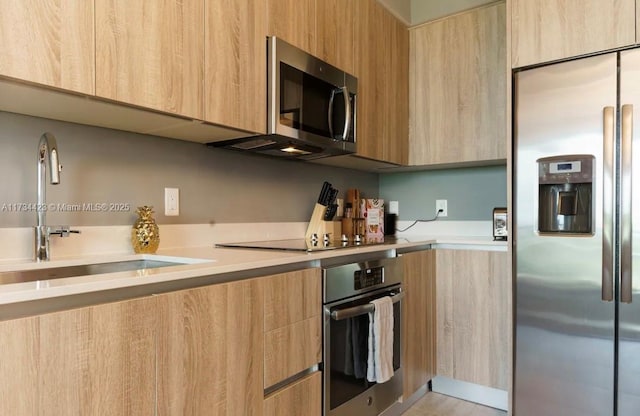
(171,202)
(441,204)
(394,207)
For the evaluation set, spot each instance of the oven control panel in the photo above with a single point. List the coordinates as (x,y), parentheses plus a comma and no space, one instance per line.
(360,274)
(365,278)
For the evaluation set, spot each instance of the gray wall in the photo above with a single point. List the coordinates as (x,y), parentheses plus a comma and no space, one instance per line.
(471,193)
(401,8)
(423,11)
(110,166)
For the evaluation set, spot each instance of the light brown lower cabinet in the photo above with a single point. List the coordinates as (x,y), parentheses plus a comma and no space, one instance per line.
(87,361)
(473,316)
(291,349)
(293,342)
(302,398)
(418,320)
(197,351)
(292,324)
(210,350)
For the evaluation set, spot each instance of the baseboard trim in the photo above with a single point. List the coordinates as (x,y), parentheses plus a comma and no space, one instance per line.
(487,396)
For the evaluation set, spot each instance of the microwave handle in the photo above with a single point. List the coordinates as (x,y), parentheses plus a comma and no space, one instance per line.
(347,113)
(330,112)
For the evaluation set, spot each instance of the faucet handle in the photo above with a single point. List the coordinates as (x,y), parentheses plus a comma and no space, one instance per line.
(62,231)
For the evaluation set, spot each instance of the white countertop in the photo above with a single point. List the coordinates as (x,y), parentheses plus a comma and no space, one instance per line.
(199,261)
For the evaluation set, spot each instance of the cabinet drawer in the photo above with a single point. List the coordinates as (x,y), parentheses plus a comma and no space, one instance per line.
(304,397)
(291,297)
(291,349)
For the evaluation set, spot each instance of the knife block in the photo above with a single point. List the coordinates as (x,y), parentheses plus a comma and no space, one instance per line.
(318,226)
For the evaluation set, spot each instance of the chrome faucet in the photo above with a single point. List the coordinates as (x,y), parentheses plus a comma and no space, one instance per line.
(47,151)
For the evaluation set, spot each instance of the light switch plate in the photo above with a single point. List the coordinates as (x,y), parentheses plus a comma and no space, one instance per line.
(171,202)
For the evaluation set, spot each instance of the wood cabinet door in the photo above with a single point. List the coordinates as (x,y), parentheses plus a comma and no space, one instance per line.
(235,58)
(382,50)
(87,361)
(549,30)
(458,88)
(151,54)
(398,90)
(473,316)
(210,352)
(294,21)
(20,367)
(99,357)
(49,42)
(335,33)
(418,320)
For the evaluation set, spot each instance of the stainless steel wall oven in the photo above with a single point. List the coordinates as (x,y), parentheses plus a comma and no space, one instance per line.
(348,291)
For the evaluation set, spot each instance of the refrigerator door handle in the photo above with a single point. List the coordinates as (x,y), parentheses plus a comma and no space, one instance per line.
(607,203)
(625,203)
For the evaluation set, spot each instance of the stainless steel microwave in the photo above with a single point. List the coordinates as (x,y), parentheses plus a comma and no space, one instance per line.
(311,107)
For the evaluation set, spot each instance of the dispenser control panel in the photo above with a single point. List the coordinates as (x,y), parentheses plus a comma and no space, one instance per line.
(565,195)
(556,170)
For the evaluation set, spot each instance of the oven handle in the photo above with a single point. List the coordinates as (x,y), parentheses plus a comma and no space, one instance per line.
(346,313)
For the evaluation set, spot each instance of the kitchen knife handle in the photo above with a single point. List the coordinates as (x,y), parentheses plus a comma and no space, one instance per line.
(626,175)
(607,203)
(325,193)
(347,113)
(330,113)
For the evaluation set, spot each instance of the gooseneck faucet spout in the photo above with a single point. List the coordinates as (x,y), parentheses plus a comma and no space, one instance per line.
(47,152)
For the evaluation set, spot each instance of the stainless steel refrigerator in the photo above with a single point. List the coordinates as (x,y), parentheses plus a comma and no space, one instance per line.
(577,237)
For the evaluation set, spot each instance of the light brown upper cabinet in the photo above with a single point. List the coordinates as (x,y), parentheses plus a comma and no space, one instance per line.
(151,54)
(49,42)
(323,28)
(294,21)
(458,88)
(382,62)
(548,30)
(235,57)
(335,33)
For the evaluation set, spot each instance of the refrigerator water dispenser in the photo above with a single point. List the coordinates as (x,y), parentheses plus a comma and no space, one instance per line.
(565,199)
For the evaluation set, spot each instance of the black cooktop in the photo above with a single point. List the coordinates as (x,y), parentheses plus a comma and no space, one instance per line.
(300,244)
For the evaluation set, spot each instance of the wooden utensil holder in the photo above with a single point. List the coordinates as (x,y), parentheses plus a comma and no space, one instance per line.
(319,226)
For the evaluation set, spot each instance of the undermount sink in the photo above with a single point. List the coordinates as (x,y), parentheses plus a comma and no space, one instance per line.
(32,275)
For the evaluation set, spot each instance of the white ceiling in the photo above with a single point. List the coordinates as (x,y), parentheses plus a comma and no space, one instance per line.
(414,12)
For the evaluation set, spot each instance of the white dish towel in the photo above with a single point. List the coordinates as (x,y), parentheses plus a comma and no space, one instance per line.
(380,356)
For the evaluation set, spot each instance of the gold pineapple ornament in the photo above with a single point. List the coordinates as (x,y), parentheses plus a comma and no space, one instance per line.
(145,235)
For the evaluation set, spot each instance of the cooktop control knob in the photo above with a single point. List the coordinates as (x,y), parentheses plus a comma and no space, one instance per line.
(344,238)
(326,238)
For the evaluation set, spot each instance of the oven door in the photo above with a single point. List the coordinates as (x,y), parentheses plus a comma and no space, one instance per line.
(346,328)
